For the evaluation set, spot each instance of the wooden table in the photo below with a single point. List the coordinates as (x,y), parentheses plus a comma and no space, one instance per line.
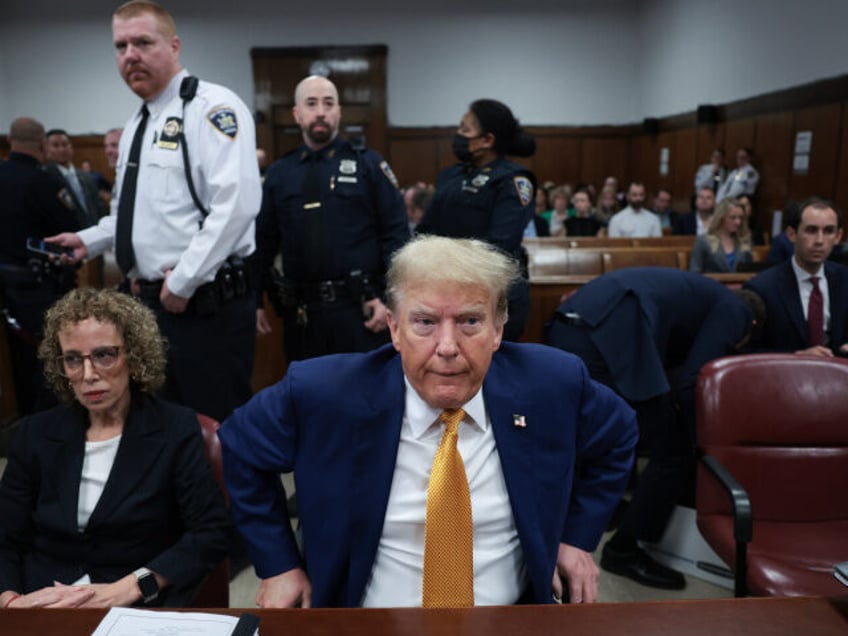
(722,617)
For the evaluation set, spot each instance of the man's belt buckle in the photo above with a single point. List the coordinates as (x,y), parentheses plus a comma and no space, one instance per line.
(327,291)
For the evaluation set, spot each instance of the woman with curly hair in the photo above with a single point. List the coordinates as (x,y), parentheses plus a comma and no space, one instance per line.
(726,244)
(107,499)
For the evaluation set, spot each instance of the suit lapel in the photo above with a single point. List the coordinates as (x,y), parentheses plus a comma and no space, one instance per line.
(141,444)
(790,295)
(64,448)
(838,299)
(376,439)
(514,444)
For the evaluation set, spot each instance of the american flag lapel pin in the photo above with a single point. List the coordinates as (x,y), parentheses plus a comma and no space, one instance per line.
(519,421)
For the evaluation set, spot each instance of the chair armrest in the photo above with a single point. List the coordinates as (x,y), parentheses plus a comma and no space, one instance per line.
(742,521)
(742,518)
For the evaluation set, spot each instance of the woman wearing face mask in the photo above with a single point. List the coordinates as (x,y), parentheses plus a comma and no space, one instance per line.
(486,196)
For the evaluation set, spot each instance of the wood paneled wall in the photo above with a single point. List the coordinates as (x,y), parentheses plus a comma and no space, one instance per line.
(767,124)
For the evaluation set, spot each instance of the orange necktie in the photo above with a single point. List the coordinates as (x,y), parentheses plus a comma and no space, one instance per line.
(448,534)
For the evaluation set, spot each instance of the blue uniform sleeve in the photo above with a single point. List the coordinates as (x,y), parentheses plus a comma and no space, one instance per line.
(607,436)
(512,211)
(258,442)
(391,212)
(267,235)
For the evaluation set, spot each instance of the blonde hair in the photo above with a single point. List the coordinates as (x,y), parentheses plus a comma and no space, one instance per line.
(144,347)
(743,236)
(438,260)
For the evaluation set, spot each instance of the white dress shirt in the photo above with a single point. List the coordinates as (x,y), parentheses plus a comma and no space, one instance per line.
(166,223)
(499,570)
(96,466)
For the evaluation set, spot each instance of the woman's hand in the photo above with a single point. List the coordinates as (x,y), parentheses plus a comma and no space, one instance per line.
(53,597)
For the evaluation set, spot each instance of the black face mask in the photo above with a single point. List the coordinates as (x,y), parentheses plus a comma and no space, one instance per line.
(460,148)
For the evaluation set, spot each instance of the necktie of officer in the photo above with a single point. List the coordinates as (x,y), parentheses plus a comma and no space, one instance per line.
(124,253)
(815,314)
(313,253)
(448,531)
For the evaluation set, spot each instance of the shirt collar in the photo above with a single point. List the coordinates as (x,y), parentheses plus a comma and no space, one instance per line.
(803,275)
(156,104)
(422,416)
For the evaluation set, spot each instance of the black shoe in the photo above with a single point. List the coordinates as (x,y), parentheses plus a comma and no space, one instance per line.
(637,565)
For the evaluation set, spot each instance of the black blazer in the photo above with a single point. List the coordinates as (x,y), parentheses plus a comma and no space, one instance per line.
(160,508)
(89,210)
(785,328)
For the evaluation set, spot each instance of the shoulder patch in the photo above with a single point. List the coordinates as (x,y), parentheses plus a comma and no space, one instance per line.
(224,121)
(66,199)
(524,189)
(387,170)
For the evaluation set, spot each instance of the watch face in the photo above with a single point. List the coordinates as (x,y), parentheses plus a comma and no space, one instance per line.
(148,586)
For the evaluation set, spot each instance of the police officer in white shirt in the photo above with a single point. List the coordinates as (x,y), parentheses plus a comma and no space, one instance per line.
(185,247)
(742,180)
(711,175)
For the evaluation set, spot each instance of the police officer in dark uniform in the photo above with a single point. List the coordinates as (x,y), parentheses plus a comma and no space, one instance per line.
(35,204)
(335,212)
(487,197)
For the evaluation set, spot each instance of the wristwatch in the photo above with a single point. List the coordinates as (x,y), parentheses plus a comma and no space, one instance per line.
(147,584)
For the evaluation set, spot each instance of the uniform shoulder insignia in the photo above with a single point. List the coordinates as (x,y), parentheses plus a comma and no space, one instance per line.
(66,199)
(224,120)
(524,189)
(390,175)
(750,174)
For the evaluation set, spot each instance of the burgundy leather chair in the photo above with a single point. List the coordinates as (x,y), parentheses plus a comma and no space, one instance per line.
(215,590)
(772,490)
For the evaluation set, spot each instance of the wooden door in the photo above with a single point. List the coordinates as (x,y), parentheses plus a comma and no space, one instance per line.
(359,73)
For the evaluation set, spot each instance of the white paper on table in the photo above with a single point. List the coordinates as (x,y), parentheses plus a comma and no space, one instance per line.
(125,621)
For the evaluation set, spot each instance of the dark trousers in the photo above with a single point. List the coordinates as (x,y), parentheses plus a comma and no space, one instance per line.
(330,328)
(666,426)
(210,357)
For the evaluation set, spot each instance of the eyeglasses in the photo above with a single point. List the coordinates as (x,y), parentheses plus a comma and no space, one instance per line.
(101,358)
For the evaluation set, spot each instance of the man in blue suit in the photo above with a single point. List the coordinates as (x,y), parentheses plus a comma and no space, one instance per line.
(546,450)
(646,332)
(788,289)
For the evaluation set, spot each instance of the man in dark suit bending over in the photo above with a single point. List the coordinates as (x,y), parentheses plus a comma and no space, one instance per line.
(544,453)
(807,296)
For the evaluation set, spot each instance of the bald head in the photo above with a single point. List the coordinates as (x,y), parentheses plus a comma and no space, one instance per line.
(317,111)
(26,135)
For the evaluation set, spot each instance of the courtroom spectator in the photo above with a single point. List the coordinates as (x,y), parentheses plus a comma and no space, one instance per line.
(742,180)
(108,499)
(711,175)
(752,221)
(635,220)
(726,245)
(34,204)
(697,222)
(646,332)
(543,455)
(543,203)
(583,223)
(110,146)
(101,181)
(620,197)
(110,150)
(807,296)
(662,208)
(422,197)
(560,198)
(781,248)
(607,205)
(81,185)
